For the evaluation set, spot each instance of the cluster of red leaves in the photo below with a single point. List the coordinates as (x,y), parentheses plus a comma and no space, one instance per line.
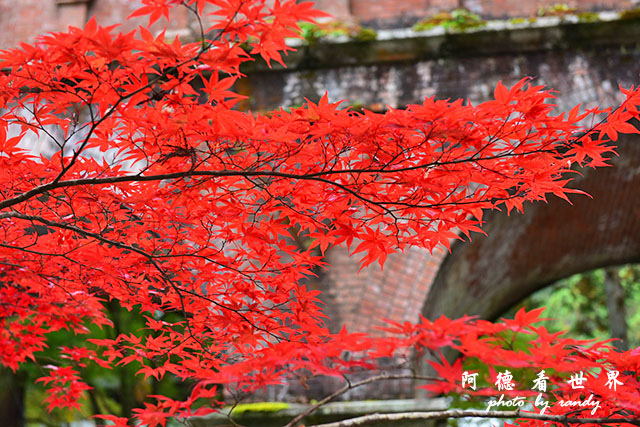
(524,349)
(65,387)
(162,197)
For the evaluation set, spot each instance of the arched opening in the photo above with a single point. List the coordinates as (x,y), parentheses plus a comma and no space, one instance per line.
(598,304)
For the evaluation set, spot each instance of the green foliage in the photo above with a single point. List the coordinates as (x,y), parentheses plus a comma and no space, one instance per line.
(630,280)
(578,304)
(36,415)
(310,32)
(457,20)
(114,391)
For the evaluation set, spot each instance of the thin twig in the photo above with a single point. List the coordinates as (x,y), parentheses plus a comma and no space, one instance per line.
(349,386)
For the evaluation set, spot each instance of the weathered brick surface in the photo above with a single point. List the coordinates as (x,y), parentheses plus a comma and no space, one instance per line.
(340,9)
(24,20)
(393,13)
(523,253)
(361,300)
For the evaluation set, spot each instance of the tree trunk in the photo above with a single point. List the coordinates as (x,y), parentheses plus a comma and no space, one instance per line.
(12,388)
(615,305)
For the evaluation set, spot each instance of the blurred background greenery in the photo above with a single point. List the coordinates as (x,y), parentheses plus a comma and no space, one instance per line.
(581,304)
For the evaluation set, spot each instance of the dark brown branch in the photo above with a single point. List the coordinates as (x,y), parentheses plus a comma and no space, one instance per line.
(317,176)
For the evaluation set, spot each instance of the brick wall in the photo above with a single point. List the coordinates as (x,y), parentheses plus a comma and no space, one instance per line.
(24,20)
(360,301)
(385,13)
(23,23)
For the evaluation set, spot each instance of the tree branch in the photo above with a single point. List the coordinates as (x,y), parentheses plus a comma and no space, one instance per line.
(349,386)
(316,176)
(475,413)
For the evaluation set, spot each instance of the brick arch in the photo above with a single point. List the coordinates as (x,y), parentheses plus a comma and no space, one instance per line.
(523,253)
(361,301)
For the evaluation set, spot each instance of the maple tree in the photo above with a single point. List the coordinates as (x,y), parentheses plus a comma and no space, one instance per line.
(162,198)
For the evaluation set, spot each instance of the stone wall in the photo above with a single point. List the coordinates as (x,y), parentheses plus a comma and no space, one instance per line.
(583,61)
(22,21)
(393,13)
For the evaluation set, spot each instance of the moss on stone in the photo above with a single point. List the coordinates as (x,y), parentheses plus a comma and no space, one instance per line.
(558,9)
(630,14)
(457,20)
(245,408)
(366,34)
(423,26)
(313,33)
(518,21)
(588,17)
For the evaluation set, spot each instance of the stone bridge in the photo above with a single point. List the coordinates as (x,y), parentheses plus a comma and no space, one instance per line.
(584,62)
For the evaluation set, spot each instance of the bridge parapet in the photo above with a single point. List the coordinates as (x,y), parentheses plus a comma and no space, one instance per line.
(584,61)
